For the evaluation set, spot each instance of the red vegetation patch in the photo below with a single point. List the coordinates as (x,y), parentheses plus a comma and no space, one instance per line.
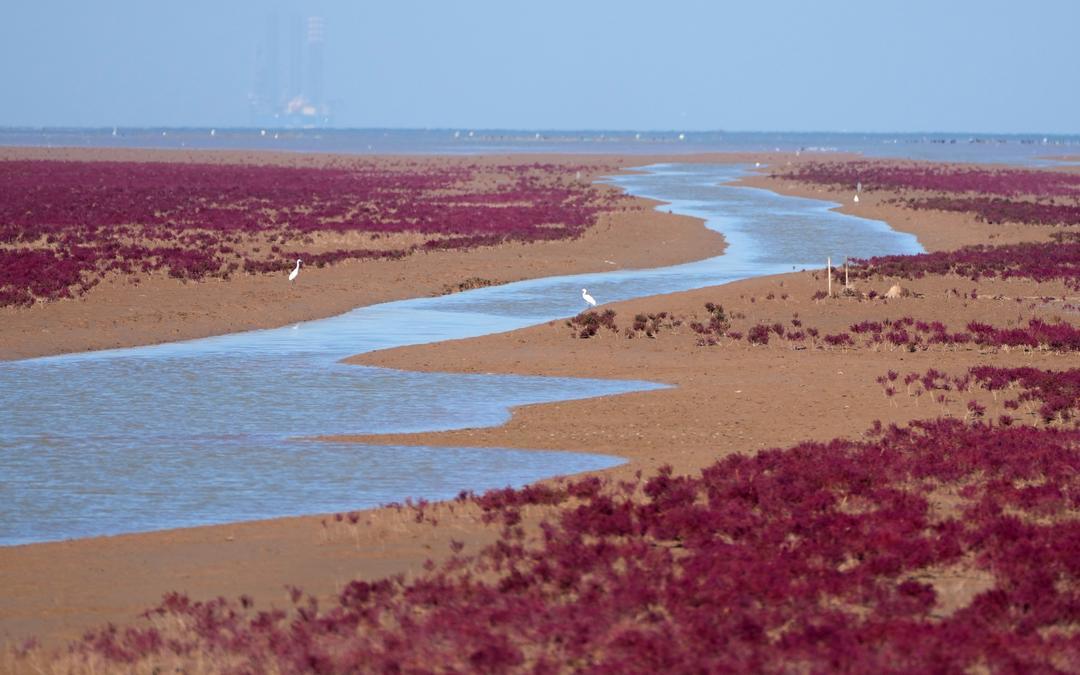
(913,334)
(586,324)
(64,225)
(938,178)
(1039,262)
(995,210)
(1057,393)
(815,558)
(1025,196)
(1050,396)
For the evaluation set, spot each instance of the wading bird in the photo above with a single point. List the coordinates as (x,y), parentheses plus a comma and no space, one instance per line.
(296,270)
(588,298)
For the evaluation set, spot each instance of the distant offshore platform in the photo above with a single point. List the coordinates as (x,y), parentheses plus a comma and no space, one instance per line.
(296,100)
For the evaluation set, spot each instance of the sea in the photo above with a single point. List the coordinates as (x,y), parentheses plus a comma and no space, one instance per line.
(1018,149)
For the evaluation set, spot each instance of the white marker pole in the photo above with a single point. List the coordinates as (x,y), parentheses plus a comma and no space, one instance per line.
(828,267)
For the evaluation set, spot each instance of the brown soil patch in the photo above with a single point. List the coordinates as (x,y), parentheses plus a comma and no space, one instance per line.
(123,312)
(727,398)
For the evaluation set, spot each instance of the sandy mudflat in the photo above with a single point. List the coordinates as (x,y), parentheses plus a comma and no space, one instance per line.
(728,398)
(160,309)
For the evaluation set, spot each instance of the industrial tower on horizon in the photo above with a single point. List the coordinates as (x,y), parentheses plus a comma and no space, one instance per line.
(302,102)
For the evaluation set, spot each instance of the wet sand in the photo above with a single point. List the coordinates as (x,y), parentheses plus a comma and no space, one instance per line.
(728,398)
(118,313)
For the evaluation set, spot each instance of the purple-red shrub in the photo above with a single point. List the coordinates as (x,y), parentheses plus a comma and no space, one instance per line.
(821,557)
(1051,394)
(758,334)
(1057,393)
(1035,261)
(1028,196)
(64,225)
(949,178)
(995,210)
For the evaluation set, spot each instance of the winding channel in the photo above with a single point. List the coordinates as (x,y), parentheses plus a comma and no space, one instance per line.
(211,430)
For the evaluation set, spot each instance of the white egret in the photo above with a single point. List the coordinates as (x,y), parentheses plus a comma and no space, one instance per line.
(296,270)
(588,298)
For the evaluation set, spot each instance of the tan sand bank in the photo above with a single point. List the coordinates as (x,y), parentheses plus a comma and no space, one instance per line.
(119,313)
(732,397)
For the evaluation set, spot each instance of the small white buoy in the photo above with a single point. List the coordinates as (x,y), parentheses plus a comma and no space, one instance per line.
(296,270)
(682,137)
(213,132)
(588,298)
(263,132)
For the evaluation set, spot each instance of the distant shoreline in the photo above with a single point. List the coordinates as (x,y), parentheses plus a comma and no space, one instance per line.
(935,146)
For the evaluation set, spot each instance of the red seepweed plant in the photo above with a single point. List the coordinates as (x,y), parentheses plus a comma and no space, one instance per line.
(823,556)
(66,225)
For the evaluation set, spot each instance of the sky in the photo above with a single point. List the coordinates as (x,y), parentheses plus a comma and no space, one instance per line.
(901,66)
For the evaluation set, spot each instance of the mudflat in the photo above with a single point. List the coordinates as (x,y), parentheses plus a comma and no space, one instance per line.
(732,396)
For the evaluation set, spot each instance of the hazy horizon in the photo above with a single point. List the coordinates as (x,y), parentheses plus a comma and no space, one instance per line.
(834,67)
(671,130)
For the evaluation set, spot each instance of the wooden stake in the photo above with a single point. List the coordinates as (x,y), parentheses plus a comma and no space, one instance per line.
(845,276)
(828,267)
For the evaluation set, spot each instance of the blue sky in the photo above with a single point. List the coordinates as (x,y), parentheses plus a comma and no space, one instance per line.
(856,66)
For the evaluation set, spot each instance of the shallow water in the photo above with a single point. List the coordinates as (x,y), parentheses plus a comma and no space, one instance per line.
(1027,149)
(208,431)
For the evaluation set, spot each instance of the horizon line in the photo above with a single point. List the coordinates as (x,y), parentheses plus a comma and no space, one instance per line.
(560,130)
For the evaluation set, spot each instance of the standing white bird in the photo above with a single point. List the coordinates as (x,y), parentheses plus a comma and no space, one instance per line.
(296,270)
(588,298)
